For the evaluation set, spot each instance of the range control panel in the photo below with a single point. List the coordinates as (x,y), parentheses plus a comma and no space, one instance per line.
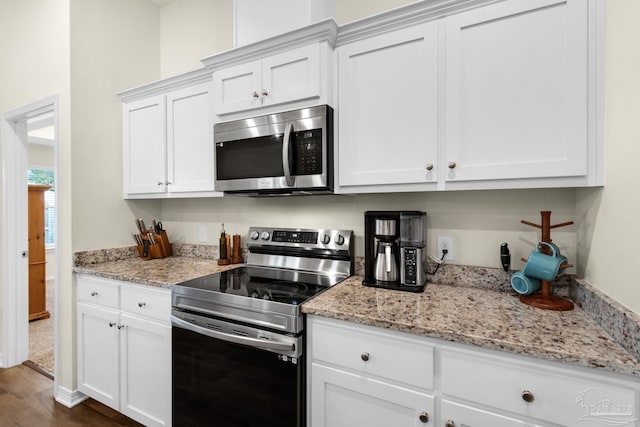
(298,237)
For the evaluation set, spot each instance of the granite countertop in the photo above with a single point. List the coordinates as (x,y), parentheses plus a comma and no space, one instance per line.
(486,318)
(162,272)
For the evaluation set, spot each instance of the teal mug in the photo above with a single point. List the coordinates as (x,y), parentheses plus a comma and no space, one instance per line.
(523,284)
(543,266)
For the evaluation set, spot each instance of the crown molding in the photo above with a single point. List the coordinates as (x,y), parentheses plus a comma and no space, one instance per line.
(321,31)
(159,87)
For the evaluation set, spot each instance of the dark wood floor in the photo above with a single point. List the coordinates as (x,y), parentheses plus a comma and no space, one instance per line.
(26,400)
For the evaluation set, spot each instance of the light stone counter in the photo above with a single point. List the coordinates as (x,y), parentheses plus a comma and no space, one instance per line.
(487,318)
(162,272)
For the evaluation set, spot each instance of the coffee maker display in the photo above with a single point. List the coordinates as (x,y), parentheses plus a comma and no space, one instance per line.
(395,254)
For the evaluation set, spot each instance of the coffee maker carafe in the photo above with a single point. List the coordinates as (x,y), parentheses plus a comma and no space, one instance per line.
(394,250)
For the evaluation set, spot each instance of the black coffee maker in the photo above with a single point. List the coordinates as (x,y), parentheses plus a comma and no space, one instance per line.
(394,245)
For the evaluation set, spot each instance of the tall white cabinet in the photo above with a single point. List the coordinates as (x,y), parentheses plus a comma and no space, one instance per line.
(454,97)
(124,347)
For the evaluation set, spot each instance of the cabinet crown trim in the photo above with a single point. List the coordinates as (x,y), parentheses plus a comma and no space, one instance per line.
(322,31)
(163,86)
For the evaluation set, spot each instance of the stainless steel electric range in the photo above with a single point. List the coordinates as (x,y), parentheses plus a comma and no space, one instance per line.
(238,335)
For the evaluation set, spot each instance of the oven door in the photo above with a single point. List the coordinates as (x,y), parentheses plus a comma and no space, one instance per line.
(276,153)
(231,375)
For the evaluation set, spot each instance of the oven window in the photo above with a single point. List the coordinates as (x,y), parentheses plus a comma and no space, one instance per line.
(259,157)
(225,384)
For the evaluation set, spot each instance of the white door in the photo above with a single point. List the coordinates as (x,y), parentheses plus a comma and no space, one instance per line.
(343,399)
(146,371)
(516,91)
(144,146)
(291,76)
(190,164)
(237,88)
(99,354)
(388,103)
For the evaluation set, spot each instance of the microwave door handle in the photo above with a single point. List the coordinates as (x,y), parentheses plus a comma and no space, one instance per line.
(286,147)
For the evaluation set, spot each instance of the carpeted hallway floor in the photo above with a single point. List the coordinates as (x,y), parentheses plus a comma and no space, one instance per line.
(41,334)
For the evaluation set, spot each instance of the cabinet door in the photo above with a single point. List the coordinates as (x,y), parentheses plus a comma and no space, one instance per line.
(343,399)
(463,415)
(388,103)
(190,140)
(144,146)
(291,76)
(237,88)
(516,91)
(146,370)
(99,354)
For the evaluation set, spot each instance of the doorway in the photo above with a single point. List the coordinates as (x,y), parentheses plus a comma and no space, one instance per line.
(31,125)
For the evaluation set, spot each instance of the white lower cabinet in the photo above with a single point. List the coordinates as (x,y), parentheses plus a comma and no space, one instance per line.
(124,348)
(362,375)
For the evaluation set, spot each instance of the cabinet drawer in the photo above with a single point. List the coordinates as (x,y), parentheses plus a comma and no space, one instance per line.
(153,303)
(534,391)
(373,352)
(96,290)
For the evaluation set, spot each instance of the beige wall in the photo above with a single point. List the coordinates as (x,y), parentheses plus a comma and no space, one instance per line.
(608,234)
(351,10)
(34,41)
(191,30)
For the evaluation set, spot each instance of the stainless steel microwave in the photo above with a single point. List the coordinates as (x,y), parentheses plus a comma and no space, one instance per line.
(276,154)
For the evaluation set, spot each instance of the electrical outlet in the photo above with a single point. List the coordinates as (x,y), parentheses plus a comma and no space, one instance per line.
(202,233)
(445,242)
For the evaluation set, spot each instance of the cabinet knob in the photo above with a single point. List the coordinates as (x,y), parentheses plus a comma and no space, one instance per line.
(264,92)
(168,182)
(452,165)
(94,293)
(255,94)
(429,166)
(364,357)
(142,304)
(120,326)
(450,423)
(112,324)
(424,417)
(527,396)
(160,183)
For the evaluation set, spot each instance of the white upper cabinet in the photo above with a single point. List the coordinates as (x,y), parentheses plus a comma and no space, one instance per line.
(516,91)
(277,79)
(168,139)
(144,146)
(388,108)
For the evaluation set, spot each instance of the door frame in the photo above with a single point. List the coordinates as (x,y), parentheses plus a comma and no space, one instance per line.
(15,299)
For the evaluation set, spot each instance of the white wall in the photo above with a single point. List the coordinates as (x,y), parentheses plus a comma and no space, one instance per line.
(34,41)
(608,238)
(351,10)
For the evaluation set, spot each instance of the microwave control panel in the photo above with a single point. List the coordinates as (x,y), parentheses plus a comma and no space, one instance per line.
(308,152)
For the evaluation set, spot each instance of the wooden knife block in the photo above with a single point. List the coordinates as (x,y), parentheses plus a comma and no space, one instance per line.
(161,249)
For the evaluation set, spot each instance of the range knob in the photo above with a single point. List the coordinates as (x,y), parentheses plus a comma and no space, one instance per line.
(254,235)
(340,240)
(265,235)
(326,239)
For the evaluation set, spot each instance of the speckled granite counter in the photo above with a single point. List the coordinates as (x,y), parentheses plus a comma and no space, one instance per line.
(483,317)
(156,272)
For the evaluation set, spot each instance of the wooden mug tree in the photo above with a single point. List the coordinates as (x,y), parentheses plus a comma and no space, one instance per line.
(545,299)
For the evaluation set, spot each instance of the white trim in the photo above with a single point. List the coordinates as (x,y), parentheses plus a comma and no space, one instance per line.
(69,398)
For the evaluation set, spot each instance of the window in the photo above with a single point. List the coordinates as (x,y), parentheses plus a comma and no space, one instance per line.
(46,177)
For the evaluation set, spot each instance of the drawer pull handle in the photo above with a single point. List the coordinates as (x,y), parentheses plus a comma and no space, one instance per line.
(424,417)
(527,396)
(429,166)
(94,293)
(364,357)
(142,304)
(452,165)
(450,423)
(112,324)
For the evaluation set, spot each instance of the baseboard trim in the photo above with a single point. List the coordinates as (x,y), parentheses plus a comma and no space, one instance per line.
(69,398)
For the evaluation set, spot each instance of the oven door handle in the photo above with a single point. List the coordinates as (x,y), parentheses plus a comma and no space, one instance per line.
(286,148)
(238,339)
